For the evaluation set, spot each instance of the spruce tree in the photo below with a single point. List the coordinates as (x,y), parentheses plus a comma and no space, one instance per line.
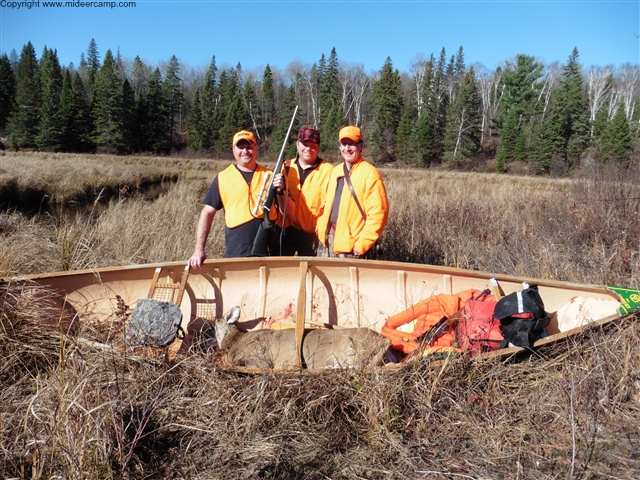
(7,91)
(172,87)
(93,66)
(75,115)
(565,132)
(267,102)
(107,107)
(387,111)
(50,130)
(66,117)
(439,105)
(462,140)
(83,123)
(128,112)
(153,116)
(331,128)
(194,124)
(404,137)
(615,141)
(140,75)
(518,105)
(424,138)
(211,117)
(229,93)
(26,120)
(330,87)
(234,120)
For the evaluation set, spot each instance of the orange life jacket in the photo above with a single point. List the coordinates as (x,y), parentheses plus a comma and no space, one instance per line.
(404,328)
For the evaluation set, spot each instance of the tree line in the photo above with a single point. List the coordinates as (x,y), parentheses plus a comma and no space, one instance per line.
(442,112)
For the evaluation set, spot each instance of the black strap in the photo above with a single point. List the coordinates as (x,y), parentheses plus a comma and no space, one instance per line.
(347,179)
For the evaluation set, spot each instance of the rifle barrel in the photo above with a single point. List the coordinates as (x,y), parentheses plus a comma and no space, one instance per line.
(260,247)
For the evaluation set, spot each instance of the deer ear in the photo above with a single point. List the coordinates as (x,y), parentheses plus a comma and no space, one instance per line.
(232,315)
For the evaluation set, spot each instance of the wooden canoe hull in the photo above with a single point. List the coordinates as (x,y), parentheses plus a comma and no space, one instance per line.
(313,291)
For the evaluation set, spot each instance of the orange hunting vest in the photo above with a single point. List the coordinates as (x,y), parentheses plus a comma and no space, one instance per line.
(238,198)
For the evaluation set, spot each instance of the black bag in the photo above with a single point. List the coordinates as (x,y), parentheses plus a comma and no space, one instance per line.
(522,317)
(153,324)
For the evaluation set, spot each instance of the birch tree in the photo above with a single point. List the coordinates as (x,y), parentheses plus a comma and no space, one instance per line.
(598,91)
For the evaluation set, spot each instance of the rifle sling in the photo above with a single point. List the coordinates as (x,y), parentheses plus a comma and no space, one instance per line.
(347,178)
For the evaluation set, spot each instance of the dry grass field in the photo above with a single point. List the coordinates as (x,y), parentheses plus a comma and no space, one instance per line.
(69,410)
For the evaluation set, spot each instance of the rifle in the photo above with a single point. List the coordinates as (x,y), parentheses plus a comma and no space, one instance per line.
(261,242)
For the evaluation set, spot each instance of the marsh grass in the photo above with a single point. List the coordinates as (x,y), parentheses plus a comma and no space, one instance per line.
(72,409)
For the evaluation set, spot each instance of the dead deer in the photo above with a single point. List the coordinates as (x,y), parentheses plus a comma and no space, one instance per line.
(276,349)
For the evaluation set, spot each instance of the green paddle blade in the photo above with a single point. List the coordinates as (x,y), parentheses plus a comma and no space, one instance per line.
(629,299)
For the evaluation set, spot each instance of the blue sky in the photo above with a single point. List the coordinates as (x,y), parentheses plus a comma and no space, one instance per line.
(257,33)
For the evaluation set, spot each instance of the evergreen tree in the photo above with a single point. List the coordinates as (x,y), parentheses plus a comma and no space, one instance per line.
(600,123)
(330,87)
(7,91)
(140,75)
(50,131)
(128,109)
(26,120)
(423,133)
(152,114)
(172,87)
(227,88)
(74,114)
(331,128)
(518,105)
(268,102)
(615,141)
(462,140)
(387,111)
(107,107)
(424,138)
(211,117)
(93,66)
(569,114)
(195,124)
(405,136)
(229,92)
(439,105)
(234,120)
(322,67)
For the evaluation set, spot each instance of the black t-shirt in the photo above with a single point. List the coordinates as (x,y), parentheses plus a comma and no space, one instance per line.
(238,241)
(303,173)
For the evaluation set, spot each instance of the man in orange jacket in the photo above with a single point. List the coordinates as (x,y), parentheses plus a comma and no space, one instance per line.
(236,190)
(356,210)
(307,178)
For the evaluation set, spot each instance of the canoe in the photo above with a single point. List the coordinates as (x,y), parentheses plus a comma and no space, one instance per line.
(309,292)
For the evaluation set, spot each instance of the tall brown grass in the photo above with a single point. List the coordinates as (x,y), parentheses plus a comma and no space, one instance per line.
(72,410)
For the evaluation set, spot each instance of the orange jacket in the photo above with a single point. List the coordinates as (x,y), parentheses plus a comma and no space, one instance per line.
(404,328)
(239,198)
(351,229)
(309,198)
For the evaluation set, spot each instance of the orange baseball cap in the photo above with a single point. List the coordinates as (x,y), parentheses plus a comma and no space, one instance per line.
(350,132)
(244,135)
